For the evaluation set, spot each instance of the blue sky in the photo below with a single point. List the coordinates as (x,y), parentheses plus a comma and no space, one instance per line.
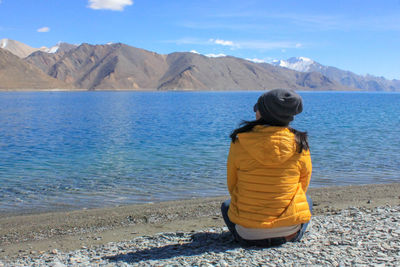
(360,36)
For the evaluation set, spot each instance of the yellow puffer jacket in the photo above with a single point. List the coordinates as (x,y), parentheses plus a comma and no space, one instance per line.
(267,179)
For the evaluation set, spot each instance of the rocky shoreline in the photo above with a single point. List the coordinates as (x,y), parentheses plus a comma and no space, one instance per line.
(354,236)
(355,225)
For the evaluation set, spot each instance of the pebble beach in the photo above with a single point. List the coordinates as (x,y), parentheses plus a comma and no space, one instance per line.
(352,226)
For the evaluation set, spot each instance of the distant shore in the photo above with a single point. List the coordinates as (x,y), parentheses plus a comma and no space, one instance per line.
(66,231)
(180,90)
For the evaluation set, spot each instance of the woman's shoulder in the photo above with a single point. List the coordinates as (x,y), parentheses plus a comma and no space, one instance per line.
(271,129)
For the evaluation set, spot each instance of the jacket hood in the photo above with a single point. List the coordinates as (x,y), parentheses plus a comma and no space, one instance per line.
(269,145)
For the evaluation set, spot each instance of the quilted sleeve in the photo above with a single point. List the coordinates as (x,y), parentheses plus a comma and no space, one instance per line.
(231,169)
(305,170)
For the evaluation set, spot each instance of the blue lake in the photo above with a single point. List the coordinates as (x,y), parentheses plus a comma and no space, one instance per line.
(71,150)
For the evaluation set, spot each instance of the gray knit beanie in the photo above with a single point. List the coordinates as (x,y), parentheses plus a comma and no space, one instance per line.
(279,106)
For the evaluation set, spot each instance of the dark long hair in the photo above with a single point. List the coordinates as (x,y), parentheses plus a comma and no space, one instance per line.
(301,138)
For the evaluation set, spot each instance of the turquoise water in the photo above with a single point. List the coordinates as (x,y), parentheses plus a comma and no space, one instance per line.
(64,150)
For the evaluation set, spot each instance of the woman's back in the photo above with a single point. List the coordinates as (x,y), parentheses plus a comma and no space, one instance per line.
(268,173)
(267,179)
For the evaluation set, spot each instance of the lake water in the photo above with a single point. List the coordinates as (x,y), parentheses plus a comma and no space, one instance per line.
(70,150)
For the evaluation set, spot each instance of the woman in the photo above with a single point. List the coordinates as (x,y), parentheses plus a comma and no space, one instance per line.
(268,173)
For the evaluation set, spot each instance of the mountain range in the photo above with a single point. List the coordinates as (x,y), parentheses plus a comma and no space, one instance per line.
(22,50)
(15,73)
(119,66)
(345,78)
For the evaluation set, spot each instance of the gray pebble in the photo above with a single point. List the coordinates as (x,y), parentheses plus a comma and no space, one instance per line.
(355,236)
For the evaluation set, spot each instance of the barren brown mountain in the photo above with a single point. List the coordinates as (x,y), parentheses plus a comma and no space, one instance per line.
(119,66)
(19,49)
(193,71)
(115,66)
(18,74)
(344,77)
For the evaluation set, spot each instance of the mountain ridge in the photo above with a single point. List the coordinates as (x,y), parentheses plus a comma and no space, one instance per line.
(22,50)
(119,66)
(116,66)
(344,77)
(15,73)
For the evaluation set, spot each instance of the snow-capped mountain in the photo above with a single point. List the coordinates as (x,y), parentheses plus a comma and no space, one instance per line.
(302,64)
(346,78)
(122,66)
(22,50)
(17,48)
(116,66)
(3,43)
(51,50)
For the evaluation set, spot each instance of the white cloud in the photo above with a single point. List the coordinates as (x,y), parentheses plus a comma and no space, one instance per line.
(43,29)
(222,25)
(305,21)
(194,52)
(254,44)
(256,60)
(215,55)
(116,5)
(266,45)
(222,42)
(233,45)
(188,40)
(390,22)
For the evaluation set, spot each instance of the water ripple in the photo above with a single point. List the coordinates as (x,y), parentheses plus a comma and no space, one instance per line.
(62,150)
